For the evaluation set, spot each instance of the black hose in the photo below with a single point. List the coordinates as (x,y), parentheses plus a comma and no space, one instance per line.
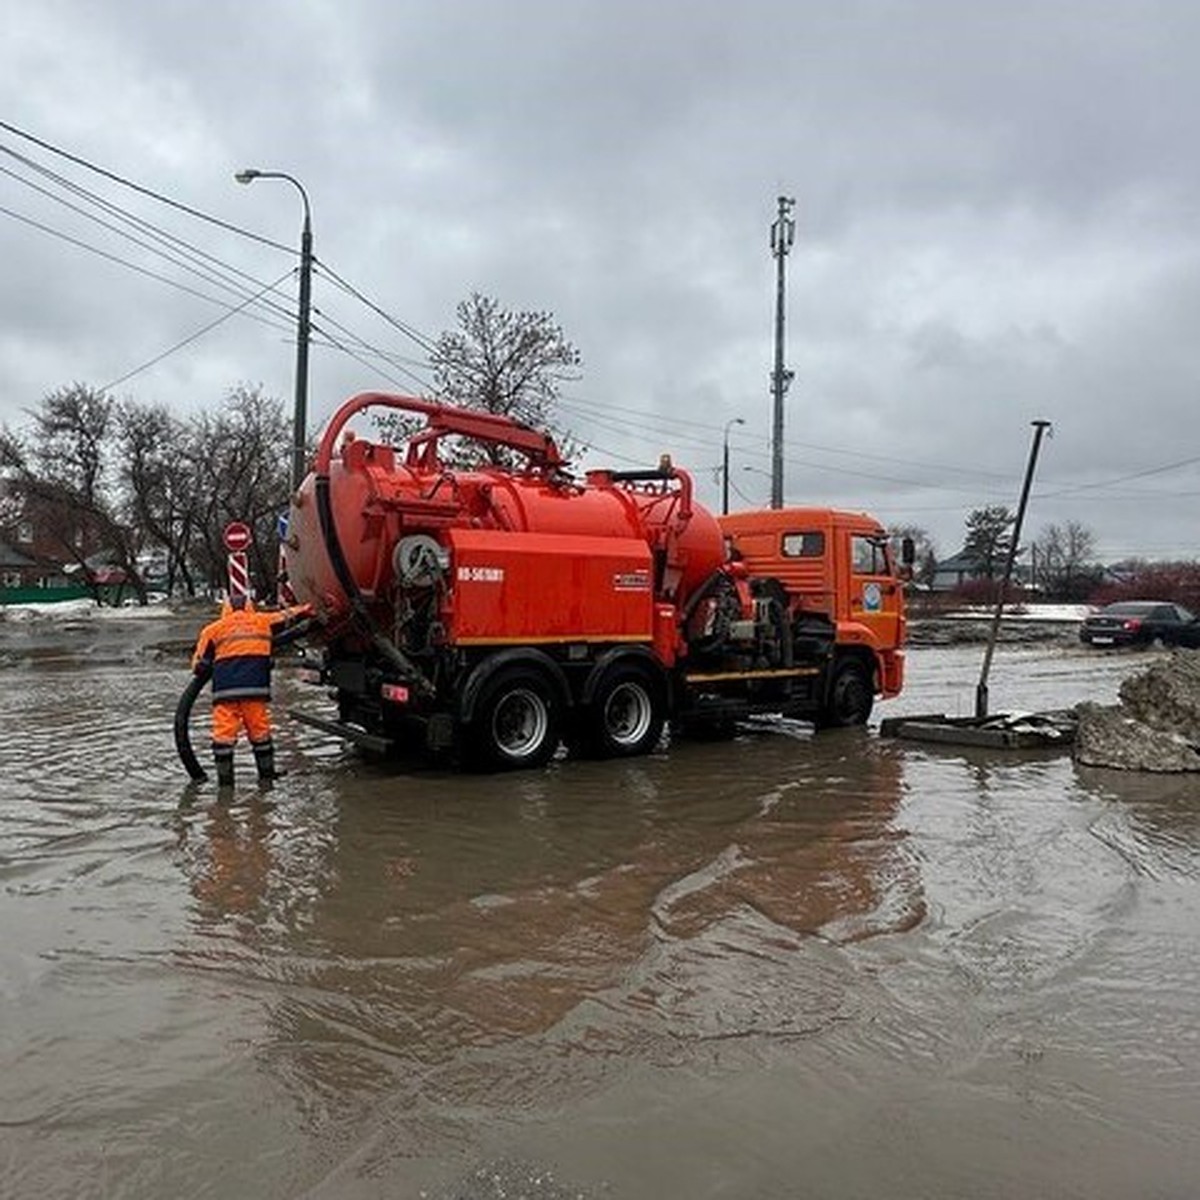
(293,633)
(183,712)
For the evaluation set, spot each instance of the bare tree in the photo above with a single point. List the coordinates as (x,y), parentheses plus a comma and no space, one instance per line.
(125,477)
(239,465)
(158,485)
(1065,557)
(63,470)
(502,361)
(12,503)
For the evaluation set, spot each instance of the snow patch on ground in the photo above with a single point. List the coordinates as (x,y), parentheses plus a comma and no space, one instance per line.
(1022,612)
(85,609)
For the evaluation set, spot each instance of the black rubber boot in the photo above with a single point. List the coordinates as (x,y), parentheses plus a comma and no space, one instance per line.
(223,757)
(264,760)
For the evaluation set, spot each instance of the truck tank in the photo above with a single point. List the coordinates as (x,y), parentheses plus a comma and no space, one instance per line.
(363,499)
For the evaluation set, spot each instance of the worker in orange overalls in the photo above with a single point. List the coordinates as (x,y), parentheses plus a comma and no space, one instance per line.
(236,648)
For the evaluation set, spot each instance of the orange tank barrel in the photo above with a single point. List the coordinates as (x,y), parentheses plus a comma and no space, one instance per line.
(377,496)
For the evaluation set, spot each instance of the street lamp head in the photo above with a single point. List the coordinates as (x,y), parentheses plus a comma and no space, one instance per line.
(250,174)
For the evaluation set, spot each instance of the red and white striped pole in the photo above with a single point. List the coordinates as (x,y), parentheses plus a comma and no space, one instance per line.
(237,540)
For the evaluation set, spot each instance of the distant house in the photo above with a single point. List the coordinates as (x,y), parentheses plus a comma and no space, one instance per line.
(24,577)
(17,570)
(34,563)
(103,573)
(951,573)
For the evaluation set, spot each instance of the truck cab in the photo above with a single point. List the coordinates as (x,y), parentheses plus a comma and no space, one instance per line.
(838,565)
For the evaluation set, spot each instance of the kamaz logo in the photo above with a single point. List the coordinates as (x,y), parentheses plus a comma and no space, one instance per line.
(633,581)
(480,574)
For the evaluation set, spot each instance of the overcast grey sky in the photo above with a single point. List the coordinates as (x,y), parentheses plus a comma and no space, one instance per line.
(997,220)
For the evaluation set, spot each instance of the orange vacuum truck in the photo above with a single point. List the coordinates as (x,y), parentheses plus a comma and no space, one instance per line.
(498,612)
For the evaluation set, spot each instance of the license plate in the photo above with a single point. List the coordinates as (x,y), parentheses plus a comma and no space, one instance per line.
(1102,641)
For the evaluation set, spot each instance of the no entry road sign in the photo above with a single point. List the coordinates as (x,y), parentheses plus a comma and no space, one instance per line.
(237,535)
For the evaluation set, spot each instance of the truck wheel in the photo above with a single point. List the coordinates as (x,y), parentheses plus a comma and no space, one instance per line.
(851,696)
(516,722)
(625,717)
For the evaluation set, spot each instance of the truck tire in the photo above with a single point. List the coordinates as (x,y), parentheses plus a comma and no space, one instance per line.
(851,695)
(625,717)
(516,723)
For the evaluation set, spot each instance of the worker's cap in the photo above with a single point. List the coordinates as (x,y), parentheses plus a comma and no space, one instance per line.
(237,601)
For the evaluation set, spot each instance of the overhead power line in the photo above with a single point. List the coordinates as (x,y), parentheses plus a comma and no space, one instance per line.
(669,426)
(124,262)
(145,191)
(672,422)
(414,335)
(185,261)
(247,302)
(187,257)
(1106,483)
(392,360)
(157,233)
(351,353)
(665,429)
(187,341)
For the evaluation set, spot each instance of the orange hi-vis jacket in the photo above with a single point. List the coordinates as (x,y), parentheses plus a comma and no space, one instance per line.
(237,645)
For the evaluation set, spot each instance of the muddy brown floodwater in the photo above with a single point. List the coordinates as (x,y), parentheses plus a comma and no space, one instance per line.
(786,966)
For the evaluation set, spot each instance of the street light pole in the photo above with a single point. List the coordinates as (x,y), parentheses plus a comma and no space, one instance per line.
(303,322)
(725,465)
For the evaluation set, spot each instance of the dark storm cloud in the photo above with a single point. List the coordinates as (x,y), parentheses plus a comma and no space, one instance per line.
(996,219)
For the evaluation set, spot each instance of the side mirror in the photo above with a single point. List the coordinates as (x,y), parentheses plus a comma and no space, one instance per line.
(908,552)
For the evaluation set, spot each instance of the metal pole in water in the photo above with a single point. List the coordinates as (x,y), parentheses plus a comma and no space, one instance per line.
(981,691)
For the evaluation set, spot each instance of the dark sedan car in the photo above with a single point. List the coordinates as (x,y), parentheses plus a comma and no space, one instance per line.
(1141,623)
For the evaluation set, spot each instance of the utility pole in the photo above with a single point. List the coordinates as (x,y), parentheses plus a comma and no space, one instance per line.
(783,233)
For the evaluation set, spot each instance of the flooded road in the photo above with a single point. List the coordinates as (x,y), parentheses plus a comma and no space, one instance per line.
(785,966)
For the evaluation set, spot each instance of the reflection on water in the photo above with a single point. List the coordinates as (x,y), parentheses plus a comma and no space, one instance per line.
(479,911)
(230,875)
(696,973)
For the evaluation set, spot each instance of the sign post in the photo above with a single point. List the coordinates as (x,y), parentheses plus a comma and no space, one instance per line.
(237,537)
(284,595)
